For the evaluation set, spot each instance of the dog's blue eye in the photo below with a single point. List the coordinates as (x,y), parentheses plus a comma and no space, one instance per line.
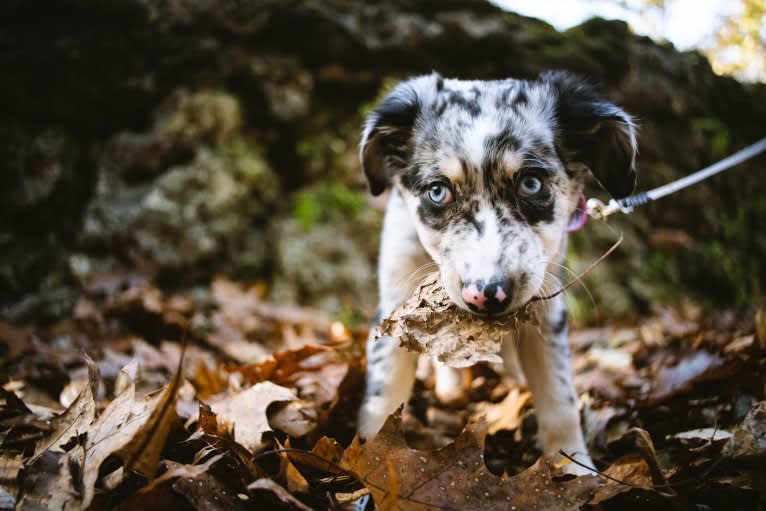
(529,185)
(440,194)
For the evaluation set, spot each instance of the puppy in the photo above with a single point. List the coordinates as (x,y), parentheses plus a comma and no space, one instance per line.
(485,176)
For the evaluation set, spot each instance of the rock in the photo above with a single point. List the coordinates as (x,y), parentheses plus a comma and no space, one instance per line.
(286,86)
(40,198)
(326,251)
(200,211)
(111,138)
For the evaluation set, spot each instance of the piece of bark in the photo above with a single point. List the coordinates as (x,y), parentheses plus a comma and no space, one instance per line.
(429,322)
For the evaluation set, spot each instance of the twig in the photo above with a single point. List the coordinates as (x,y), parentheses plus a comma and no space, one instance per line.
(579,276)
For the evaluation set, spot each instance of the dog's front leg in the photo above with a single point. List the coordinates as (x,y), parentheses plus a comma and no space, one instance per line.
(544,356)
(390,368)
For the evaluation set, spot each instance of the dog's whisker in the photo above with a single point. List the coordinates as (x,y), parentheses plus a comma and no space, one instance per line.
(573,274)
(420,269)
(582,283)
(416,277)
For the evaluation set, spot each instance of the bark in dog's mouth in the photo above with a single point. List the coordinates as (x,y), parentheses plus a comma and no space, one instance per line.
(430,322)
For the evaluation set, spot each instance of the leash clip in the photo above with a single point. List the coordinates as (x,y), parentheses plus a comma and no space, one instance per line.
(599,210)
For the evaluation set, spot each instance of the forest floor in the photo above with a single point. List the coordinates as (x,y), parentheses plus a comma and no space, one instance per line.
(97,412)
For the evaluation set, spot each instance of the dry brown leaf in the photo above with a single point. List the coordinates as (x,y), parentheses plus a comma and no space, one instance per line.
(316,372)
(281,367)
(270,485)
(75,420)
(208,421)
(176,470)
(749,441)
(632,471)
(429,322)
(242,314)
(244,413)
(142,453)
(230,339)
(67,481)
(206,493)
(692,368)
(507,413)
(113,429)
(297,418)
(15,339)
(642,441)
(54,481)
(296,483)
(455,477)
(10,466)
(325,456)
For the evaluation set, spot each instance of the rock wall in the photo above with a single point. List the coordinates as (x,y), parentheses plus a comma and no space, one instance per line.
(195,137)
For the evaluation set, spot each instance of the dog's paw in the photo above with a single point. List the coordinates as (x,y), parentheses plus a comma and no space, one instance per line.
(372,415)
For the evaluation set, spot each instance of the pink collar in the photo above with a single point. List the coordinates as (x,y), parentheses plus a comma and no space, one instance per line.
(579,217)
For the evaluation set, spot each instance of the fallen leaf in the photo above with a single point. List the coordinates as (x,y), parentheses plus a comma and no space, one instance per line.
(270,485)
(206,493)
(16,340)
(175,470)
(642,442)
(10,466)
(740,344)
(54,481)
(507,413)
(122,428)
(692,368)
(295,480)
(455,477)
(244,413)
(281,367)
(142,453)
(325,456)
(703,434)
(297,418)
(429,322)
(75,420)
(207,419)
(610,359)
(630,471)
(749,440)
(316,373)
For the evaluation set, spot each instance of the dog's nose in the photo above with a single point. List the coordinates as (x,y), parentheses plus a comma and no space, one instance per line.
(492,298)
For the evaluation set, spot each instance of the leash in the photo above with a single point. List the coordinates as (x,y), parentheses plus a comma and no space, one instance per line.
(596,209)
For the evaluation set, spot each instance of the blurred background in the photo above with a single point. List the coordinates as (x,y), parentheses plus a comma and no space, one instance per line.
(185,139)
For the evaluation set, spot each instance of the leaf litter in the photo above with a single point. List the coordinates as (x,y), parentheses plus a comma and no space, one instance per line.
(261,413)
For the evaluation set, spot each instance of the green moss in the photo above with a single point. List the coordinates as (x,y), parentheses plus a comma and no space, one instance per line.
(718,133)
(326,201)
(244,160)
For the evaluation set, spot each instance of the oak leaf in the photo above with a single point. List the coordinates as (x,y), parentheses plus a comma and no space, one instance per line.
(135,430)
(244,413)
(455,477)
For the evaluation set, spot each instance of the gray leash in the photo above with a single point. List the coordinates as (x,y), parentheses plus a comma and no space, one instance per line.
(598,210)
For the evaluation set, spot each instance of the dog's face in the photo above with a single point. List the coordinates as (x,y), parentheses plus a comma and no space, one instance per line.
(491,172)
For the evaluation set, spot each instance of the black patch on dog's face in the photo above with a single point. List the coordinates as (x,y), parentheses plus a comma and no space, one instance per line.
(464,100)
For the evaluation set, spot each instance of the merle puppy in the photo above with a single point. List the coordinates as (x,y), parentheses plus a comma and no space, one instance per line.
(485,177)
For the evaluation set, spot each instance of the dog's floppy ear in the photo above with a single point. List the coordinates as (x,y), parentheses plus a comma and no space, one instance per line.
(595,132)
(386,139)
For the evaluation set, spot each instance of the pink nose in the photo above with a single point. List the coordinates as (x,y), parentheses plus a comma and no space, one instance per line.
(474,296)
(492,298)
